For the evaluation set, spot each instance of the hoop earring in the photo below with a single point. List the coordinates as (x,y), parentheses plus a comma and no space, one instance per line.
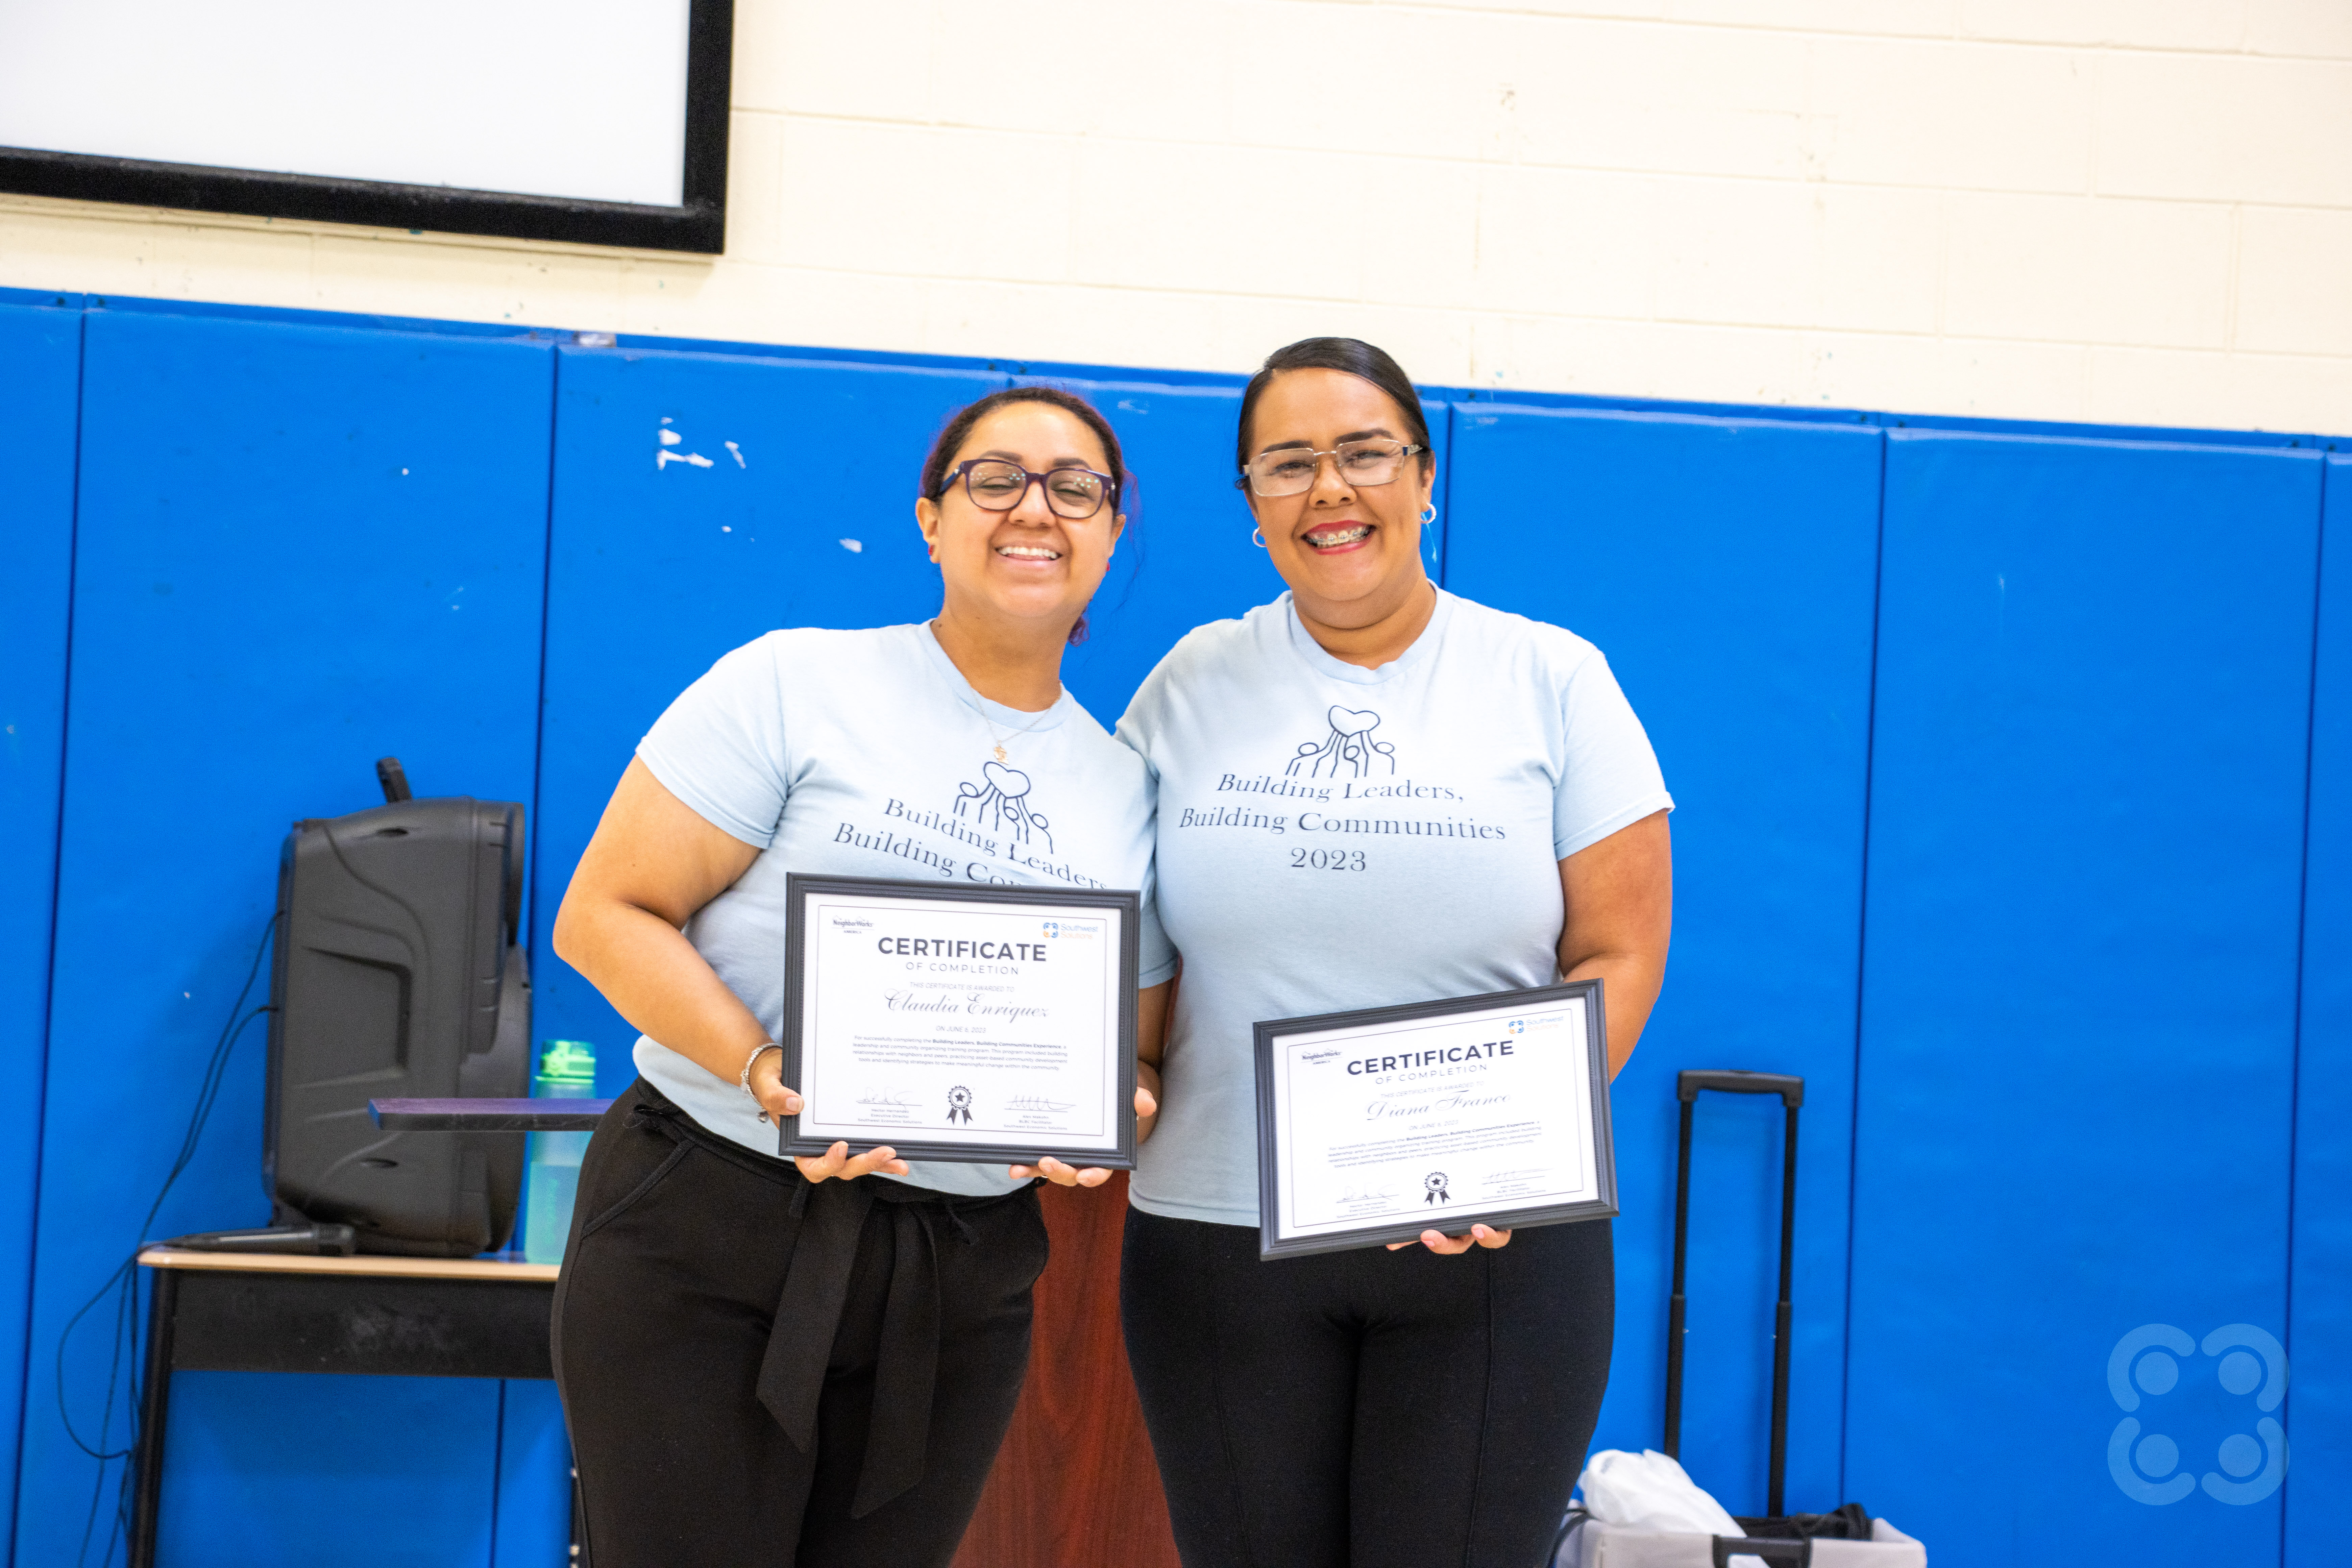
(1257,539)
(1428,514)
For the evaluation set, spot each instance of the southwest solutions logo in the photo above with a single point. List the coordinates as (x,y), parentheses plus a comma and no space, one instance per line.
(2146,1464)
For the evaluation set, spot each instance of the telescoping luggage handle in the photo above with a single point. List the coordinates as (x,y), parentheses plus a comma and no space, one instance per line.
(1791,1090)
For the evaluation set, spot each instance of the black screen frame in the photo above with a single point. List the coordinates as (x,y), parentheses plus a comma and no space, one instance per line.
(699,224)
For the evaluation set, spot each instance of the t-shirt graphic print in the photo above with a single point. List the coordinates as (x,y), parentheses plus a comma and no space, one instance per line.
(1349,751)
(865,754)
(1003,802)
(1332,838)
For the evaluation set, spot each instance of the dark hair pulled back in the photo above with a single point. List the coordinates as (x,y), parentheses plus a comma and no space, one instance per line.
(953,434)
(1356,357)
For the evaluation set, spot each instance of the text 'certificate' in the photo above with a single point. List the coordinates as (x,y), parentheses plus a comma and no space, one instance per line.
(1376,1126)
(974,1025)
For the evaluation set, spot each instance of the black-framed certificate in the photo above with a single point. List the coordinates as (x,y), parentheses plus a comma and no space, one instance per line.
(979,1024)
(1375,1126)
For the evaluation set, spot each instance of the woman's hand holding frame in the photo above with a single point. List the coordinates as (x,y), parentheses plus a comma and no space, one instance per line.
(836,1163)
(1063,1175)
(1152,1005)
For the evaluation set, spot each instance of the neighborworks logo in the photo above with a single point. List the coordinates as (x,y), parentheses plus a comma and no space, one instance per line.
(2145,1366)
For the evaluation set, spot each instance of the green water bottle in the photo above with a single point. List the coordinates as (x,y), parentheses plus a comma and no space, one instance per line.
(567,1070)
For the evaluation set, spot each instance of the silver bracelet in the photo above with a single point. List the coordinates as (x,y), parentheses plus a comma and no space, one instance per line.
(749,1061)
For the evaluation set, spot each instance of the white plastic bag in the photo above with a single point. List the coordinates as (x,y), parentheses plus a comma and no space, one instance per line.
(1649,1491)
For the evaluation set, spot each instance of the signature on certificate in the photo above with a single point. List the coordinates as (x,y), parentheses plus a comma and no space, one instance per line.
(1035,1102)
(884,1097)
(1358,1196)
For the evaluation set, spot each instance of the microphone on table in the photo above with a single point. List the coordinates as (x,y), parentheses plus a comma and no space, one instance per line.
(336,1240)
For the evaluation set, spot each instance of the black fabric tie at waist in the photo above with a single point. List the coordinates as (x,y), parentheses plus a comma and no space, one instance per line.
(816,1290)
(808,1315)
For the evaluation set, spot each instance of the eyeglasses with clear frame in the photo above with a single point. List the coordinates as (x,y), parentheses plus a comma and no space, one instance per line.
(1291,470)
(996,485)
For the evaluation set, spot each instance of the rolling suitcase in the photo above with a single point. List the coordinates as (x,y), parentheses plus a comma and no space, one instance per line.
(396,973)
(1848,1538)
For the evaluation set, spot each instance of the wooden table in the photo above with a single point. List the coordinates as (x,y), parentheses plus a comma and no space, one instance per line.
(396,1317)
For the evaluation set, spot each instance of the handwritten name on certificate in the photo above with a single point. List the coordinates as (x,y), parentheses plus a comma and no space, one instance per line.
(943,1023)
(1380,1129)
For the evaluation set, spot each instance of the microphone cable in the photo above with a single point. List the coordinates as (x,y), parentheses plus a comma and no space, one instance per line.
(123,1283)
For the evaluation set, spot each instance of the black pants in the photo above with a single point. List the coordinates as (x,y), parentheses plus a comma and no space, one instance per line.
(1367,1409)
(758,1372)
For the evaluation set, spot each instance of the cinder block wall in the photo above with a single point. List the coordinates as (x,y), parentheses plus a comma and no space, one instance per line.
(2100,210)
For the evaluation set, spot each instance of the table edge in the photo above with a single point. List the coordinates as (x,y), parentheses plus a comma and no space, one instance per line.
(360,1265)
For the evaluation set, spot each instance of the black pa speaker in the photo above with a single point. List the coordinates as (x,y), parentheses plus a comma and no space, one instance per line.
(397,973)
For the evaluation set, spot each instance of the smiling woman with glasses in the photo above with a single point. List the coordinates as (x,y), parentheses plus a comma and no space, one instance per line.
(1371,792)
(813,1360)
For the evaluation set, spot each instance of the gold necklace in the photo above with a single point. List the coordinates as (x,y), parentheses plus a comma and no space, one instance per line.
(1025,729)
(999,747)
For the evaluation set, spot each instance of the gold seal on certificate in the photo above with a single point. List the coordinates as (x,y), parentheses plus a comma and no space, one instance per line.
(979,1025)
(1375,1126)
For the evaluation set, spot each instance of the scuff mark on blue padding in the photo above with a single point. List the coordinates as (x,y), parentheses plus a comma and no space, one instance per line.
(2080,985)
(1725,568)
(299,549)
(2319,1400)
(42,349)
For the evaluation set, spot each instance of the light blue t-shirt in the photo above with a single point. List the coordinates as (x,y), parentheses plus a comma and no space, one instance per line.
(865,754)
(1333,838)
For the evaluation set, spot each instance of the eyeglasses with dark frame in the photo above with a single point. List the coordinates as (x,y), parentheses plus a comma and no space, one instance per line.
(996,485)
(1291,470)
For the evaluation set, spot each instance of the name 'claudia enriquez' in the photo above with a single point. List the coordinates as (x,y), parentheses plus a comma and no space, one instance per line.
(975,1007)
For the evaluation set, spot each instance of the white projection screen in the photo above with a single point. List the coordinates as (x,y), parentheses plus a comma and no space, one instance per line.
(602,122)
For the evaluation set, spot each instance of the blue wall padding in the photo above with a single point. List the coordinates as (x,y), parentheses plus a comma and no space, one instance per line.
(2320,1336)
(534,1478)
(298,549)
(38,392)
(351,1472)
(1727,569)
(657,568)
(2079,1005)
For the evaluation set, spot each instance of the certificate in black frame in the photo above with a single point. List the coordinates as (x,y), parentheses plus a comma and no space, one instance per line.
(1272,1244)
(697,224)
(1129,904)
